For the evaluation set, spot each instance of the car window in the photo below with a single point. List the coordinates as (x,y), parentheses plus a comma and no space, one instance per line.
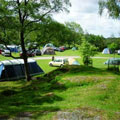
(58,60)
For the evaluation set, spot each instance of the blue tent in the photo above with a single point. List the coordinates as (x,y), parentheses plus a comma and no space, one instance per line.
(13,48)
(106,51)
(14,69)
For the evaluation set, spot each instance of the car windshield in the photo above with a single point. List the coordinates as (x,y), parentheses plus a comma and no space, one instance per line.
(57,60)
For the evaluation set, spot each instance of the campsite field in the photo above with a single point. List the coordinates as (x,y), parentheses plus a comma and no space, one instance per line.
(66,53)
(91,92)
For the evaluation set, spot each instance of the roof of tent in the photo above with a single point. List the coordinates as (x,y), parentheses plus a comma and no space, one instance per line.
(15,61)
(48,50)
(49,45)
(113,61)
(14,69)
(74,48)
(106,51)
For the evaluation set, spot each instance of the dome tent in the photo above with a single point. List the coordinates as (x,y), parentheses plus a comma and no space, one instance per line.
(74,48)
(106,51)
(14,69)
(49,45)
(48,51)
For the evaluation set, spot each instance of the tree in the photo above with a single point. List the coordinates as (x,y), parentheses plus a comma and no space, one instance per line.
(113,46)
(96,40)
(8,31)
(87,50)
(28,12)
(113,7)
(76,32)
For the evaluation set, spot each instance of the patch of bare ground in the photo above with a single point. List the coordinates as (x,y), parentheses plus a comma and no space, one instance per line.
(81,114)
(89,78)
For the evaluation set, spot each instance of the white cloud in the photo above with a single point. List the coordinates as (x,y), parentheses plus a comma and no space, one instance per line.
(86,14)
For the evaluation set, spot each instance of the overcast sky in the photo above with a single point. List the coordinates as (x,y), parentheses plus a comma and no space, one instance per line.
(85,13)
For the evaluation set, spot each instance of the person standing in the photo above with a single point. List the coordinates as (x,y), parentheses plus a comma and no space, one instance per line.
(53,58)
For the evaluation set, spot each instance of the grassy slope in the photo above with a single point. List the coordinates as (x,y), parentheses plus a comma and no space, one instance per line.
(63,90)
(92,89)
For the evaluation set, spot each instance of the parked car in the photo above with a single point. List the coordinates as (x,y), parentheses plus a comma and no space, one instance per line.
(63,48)
(37,52)
(58,49)
(1,51)
(58,62)
(29,54)
(6,53)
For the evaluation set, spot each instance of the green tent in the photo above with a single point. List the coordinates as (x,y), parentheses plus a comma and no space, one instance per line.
(113,61)
(74,48)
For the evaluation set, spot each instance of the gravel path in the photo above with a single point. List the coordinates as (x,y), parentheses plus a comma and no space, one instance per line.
(46,58)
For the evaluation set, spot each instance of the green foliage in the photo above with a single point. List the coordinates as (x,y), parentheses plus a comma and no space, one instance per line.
(96,40)
(28,12)
(113,46)
(113,7)
(76,32)
(87,50)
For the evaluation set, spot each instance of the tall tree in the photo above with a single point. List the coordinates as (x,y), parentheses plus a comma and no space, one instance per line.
(96,40)
(76,32)
(8,31)
(87,51)
(29,12)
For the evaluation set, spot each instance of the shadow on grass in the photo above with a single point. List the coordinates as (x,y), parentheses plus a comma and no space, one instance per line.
(90,70)
(37,97)
(31,97)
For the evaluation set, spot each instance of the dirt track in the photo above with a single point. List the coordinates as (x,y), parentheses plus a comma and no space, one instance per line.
(44,58)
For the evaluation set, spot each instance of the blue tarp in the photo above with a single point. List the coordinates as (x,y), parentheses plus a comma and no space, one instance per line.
(13,49)
(75,63)
(1,69)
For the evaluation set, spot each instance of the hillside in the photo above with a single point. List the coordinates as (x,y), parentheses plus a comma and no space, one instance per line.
(78,92)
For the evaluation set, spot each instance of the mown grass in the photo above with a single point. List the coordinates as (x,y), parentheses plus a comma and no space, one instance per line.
(67,53)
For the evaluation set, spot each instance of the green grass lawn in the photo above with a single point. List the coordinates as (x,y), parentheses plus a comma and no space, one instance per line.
(90,91)
(65,53)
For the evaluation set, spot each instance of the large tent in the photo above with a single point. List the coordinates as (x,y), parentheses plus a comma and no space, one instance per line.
(106,51)
(14,69)
(48,51)
(113,61)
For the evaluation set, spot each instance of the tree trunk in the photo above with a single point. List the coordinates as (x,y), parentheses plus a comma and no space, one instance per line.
(27,75)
